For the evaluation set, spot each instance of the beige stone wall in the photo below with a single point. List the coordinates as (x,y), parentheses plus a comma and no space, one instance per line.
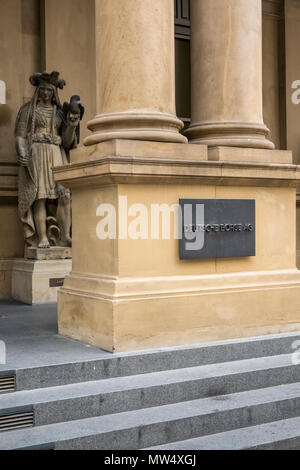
(274,249)
(128,294)
(11,243)
(20,57)
(31,42)
(298,231)
(37,35)
(292,40)
(20,54)
(83,207)
(69,48)
(11,231)
(292,26)
(272,41)
(60,34)
(53,35)
(10,73)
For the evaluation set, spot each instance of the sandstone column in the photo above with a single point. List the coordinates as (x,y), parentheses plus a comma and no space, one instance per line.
(135,72)
(226,60)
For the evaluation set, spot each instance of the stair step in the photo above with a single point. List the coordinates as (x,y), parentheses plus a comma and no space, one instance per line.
(278,435)
(164,424)
(83,400)
(144,362)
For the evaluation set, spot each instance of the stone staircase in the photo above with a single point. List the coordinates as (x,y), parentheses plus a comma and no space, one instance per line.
(240,394)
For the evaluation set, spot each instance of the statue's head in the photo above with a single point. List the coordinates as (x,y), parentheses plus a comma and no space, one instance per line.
(46,92)
(47,86)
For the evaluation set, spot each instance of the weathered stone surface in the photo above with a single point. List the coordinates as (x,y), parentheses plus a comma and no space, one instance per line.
(235,154)
(35,282)
(122,302)
(53,131)
(137,99)
(227,81)
(53,253)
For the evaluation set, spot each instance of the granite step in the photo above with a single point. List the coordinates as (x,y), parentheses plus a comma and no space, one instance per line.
(161,425)
(97,398)
(277,435)
(144,362)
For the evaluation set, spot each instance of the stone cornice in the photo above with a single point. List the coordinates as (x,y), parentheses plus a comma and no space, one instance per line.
(138,162)
(137,170)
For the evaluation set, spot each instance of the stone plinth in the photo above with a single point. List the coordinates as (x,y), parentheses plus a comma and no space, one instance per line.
(235,154)
(129,294)
(35,281)
(44,254)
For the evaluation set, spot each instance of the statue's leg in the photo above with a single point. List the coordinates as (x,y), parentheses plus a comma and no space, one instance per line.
(63,217)
(40,215)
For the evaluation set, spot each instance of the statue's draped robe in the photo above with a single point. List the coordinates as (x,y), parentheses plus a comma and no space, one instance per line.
(46,151)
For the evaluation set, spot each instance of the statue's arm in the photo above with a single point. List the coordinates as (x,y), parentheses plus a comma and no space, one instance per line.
(69,139)
(21,137)
(21,147)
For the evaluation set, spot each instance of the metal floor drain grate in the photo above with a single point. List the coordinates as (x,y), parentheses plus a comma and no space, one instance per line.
(16,421)
(7,384)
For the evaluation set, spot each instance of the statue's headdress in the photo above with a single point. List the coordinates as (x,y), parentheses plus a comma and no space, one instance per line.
(36,80)
(51,78)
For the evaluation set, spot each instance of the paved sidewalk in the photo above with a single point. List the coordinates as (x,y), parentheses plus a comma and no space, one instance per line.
(31,337)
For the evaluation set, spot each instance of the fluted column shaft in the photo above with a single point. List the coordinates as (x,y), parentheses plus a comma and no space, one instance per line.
(226,61)
(135,72)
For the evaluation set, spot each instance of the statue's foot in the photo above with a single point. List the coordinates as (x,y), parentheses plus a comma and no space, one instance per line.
(44,243)
(65,241)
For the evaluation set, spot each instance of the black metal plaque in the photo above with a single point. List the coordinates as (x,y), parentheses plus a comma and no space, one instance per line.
(56,282)
(217,228)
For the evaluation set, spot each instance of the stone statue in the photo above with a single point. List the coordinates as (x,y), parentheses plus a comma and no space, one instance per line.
(45,133)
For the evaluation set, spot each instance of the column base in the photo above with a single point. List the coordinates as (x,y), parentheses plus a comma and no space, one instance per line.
(35,282)
(230,135)
(151,313)
(158,127)
(130,291)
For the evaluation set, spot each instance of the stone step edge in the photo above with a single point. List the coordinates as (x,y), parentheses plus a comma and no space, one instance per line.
(144,362)
(265,436)
(280,368)
(152,421)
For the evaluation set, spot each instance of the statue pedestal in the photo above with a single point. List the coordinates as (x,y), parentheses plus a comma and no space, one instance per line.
(127,294)
(38,281)
(45,254)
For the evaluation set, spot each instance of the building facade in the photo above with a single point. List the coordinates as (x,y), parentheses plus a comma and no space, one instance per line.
(229,71)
